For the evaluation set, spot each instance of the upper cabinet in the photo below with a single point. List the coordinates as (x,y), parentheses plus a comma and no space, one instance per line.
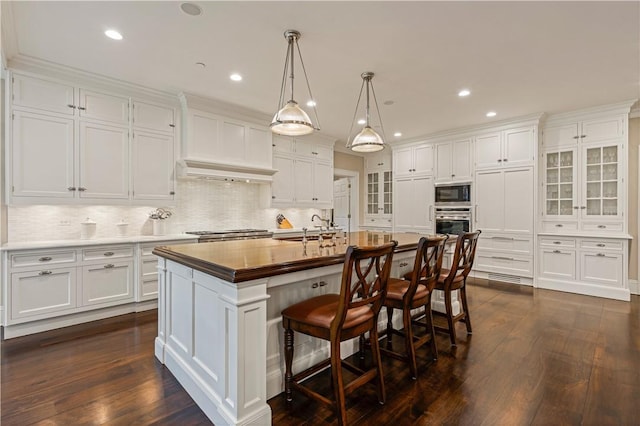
(584,171)
(75,144)
(304,172)
(454,162)
(378,161)
(153,117)
(507,148)
(413,160)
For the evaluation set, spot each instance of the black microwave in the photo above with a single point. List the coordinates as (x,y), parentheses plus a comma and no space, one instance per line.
(453,194)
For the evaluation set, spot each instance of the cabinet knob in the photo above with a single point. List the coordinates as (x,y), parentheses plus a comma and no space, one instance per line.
(109,253)
(314,285)
(109,266)
(323,283)
(172,125)
(557,251)
(576,207)
(557,242)
(576,137)
(71,188)
(71,106)
(583,136)
(600,245)
(44,259)
(602,226)
(505,159)
(82,108)
(403,264)
(583,207)
(559,225)
(82,189)
(453,175)
(600,254)
(499,160)
(172,193)
(273,197)
(45,273)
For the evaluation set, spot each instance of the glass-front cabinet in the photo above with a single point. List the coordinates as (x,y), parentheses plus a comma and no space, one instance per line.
(379,193)
(602,183)
(560,184)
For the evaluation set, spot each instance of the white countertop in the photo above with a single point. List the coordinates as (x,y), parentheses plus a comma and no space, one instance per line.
(582,234)
(93,242)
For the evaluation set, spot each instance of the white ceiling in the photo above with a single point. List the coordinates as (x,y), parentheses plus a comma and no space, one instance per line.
(517,58)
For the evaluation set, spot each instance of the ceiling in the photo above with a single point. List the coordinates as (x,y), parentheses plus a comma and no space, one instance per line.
(516,58)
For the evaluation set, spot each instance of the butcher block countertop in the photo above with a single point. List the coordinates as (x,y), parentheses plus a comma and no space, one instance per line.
(244,260)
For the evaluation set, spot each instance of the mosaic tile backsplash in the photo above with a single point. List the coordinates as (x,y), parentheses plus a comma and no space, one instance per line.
(199,205)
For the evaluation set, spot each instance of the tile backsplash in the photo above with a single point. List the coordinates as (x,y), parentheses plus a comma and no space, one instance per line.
(199,205)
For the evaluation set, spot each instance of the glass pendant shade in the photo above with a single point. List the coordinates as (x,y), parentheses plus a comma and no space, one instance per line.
(367,141)
(291,120)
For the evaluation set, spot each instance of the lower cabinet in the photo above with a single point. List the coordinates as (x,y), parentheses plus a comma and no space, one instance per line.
(44,292)
(586,265)
(107,284)
(504,257)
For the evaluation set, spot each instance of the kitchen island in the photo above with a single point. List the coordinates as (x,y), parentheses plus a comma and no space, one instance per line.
(219,323)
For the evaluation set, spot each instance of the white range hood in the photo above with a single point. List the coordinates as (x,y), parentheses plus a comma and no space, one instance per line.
(188,168)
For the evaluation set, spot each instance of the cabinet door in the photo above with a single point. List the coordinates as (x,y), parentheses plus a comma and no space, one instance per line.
(153,117)
(378,161)
(519,146)
(444,158)
(42,293)
(109,283)
(42,156)
(373,194)
(233,145)
(43,95)
(601,192)
(602,268)
(152,166)
(282,187)
(561,197)
(560,135)
(601,129)
(558,264)
(423,208)
(282,143)
(259,149)
(490,202)
(386,193)
(202,137)
(323,184)
(404,203)
(104,107)
(403,162)
(423,159)
(488,151)
(303,181)
(462,164)
(518,200)
(104,161)
(148,279)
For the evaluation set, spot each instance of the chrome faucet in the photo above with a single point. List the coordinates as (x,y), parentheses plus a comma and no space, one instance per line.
(325,221)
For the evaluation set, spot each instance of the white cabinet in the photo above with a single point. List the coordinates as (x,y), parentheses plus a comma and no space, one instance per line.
(43,95)
(413,201)
(304,176)
(508,148)
(413,160)
(153,117)
(103,107)
(152,180)
(379,194)
(453,161)
(225,141)
(597,129)
(107,283)
(586,265)
(42,292)
(378,161)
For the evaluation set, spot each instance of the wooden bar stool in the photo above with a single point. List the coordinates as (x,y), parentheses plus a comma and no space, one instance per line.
(456,279)
(415,293)
(340,317)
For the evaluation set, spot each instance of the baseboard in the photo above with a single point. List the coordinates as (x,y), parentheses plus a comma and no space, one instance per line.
(585,288)
(634,287)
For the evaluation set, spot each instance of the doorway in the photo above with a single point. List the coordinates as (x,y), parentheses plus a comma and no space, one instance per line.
(346,199)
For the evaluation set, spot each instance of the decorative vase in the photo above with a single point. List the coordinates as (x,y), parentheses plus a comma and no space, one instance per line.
(158,227)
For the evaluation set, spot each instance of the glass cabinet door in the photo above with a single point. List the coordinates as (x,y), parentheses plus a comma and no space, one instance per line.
(373,190)
(602,188)
(387,193)
(560,181)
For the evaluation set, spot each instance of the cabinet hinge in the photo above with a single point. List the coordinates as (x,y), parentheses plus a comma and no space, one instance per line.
(13,188)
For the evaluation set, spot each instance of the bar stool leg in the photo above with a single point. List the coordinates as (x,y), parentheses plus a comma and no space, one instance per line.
(338,383)
(375,351)
(428,318)
(449,309)
(288,359)
(389,331)
(408,343)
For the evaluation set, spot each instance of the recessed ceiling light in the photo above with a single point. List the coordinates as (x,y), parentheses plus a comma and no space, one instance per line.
(235,77)
(113,34)
(463,93)
(491,114)
(311,103)
(191,9)
(397,134)
(362,121)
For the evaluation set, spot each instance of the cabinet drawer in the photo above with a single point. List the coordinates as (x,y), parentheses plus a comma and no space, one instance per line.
(107,253)
(41,294)
(558,264)
(516,245)
(504,264)
(602,245)
(109,283)
(559,226)
(601,268)
(606,227)
(558,242)
(43,259)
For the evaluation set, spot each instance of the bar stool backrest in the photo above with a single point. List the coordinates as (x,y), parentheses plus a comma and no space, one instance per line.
(427,264)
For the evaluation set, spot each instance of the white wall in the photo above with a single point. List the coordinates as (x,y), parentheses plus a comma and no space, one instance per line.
(200,205)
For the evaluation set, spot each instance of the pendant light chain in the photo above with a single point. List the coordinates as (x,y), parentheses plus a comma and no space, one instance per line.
(375,100)
(283,86)
(355,113)
(292,39)
(306,78)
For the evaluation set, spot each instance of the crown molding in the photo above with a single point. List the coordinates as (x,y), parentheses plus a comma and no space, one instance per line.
(9,47)
(623,107)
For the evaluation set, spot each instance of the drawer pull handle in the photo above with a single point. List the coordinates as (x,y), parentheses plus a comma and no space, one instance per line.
(403,264)
(559,225)
(557,242)
(323,283)
(600,245)
(602,226)
(45,273)
(503,238)
(109,253)
(109,266)
(502,258)
(45,259)
(314,285)
(557,251)
(600,254)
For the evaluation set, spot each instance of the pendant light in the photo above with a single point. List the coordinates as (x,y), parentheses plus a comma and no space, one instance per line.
(368,140)
(291,120)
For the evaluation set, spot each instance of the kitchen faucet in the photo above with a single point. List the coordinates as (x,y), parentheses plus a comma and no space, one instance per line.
(325,221)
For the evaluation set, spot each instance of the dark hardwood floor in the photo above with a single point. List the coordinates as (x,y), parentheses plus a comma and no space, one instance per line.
(536,357)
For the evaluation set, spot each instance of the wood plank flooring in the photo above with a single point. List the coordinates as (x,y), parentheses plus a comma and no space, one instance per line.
(536,357)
